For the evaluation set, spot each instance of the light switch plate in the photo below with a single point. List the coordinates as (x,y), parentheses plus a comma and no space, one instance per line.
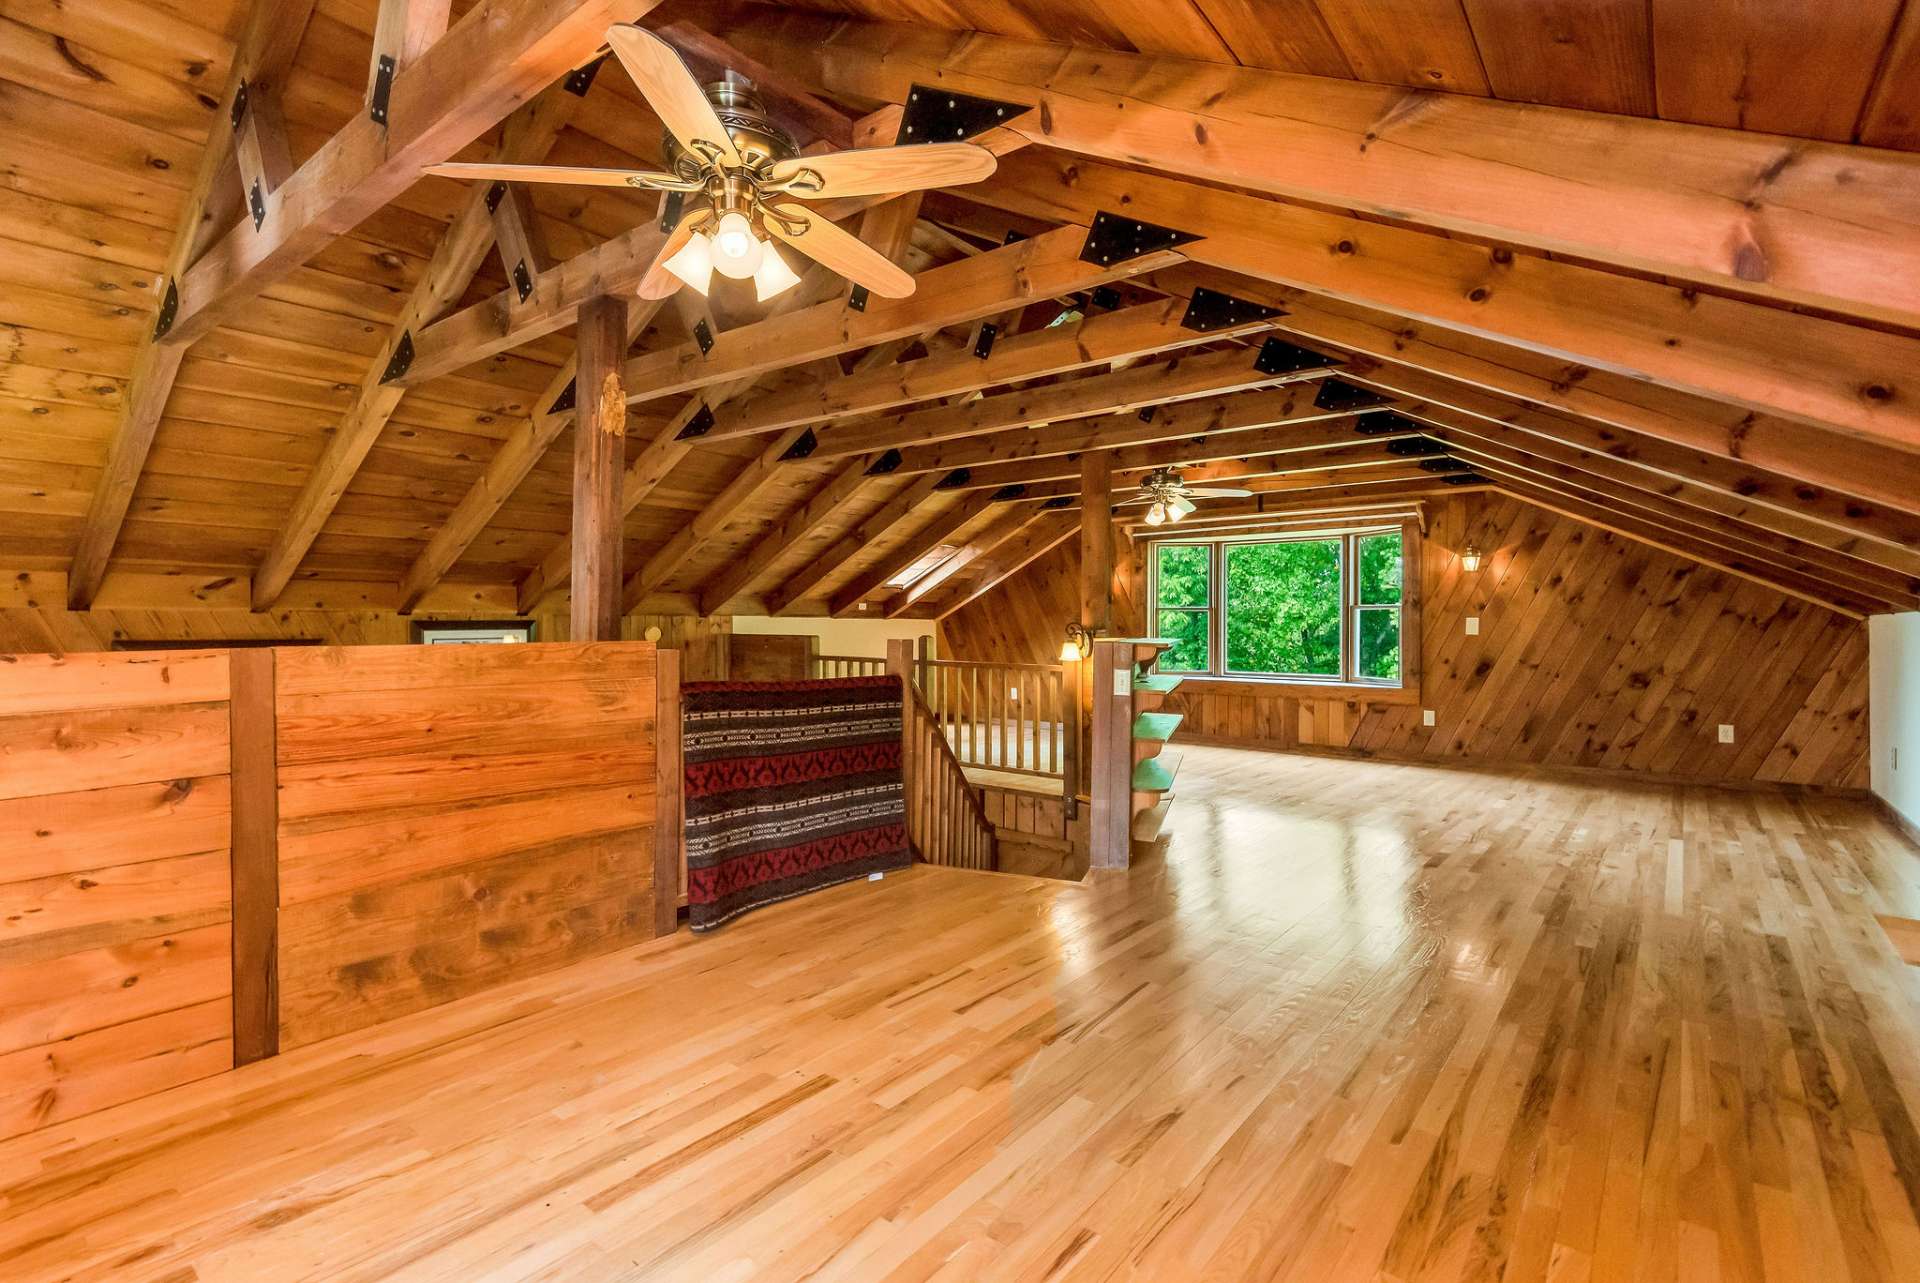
(1122,682)
(1473,625)
(1426,717)
(1726,733)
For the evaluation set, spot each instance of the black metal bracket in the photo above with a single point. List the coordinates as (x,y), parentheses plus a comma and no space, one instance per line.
(1465,479)
(1416,447)
(1146,412)
(1277,356)
(886,463)
(169,308)
(1013,491)
(1058,502)
(670,210)
(698,426)
(522,281)
(1114,239)
(857,298)
(495,194)
(1210,310)
(566,400)
(955,479)
(238,112)
(1382,422)
(580,79)
(1104,297)
(1445,463)
(947,116)
(1340,396)
(401,360)
(703,335)
(257,204)
(983,344)
(382,89)
(803,446)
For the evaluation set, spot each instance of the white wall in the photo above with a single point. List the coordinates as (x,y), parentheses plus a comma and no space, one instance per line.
(840,636)
(1893,643)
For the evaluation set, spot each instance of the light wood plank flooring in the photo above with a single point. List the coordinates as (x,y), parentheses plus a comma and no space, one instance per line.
(1353,1022)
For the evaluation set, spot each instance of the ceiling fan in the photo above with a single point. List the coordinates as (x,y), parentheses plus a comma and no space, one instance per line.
(743,180)
(1168,498)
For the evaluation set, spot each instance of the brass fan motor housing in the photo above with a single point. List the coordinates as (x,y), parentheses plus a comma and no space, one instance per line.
(755,136)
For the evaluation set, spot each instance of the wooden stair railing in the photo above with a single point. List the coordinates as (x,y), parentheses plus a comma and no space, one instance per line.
(945,821)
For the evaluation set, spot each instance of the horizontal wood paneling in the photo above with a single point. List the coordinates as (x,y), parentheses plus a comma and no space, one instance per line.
(452,817)
(115,904)
(1594,651)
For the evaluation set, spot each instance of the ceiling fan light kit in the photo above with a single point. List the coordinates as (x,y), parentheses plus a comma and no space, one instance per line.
(741,183)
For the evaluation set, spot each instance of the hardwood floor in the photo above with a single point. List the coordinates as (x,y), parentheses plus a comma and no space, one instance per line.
(1358,1022)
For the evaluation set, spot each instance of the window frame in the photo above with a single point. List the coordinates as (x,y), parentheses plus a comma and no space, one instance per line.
(1348,538)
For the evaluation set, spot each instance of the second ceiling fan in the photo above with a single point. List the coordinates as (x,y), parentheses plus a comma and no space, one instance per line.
(743,181)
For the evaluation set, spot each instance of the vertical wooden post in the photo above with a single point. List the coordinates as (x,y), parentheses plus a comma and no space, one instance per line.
(1096,541)
(1111,830)
(900,663)
(255,822)
(669,816)
(599,461)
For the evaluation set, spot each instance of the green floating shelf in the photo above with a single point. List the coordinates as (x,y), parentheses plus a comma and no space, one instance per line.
(1161,683)
(1155,726)
(1152,776)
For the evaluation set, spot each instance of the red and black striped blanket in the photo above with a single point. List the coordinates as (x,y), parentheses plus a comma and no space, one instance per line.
(790,787)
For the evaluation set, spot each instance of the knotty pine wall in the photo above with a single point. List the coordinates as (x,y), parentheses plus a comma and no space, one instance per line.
(115,906)
(1594,651)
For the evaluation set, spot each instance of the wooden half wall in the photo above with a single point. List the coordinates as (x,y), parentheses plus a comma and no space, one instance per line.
(1594,651)
(210,857)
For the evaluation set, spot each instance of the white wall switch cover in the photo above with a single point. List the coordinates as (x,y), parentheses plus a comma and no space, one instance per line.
(1426,717)
(1726,733)
(1123,682)
(1473,625)
(875,877)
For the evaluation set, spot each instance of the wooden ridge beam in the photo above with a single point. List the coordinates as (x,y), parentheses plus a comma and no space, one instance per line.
(525,138)
(1842,377)
(1048,266)
(1007,524)
(1188,375)
(1824,224)
(1192,455)
(904,503)
(1144,329)
(1653,536)
(941,528)
(262,56)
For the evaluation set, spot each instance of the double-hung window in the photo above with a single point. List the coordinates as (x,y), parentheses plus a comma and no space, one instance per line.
(1321,608)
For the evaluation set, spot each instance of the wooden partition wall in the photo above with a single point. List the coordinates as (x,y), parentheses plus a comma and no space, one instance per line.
(209,857)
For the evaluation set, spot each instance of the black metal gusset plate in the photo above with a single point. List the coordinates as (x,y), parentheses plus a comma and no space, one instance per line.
(580,79)
(1339,396)
(1465,479)
(1210,310)
(257,205)
(1416,447)
(945,116)
(1115,239)
(522,280)
(1383,422)
(1013,491)
(169,308)
(1057,502)
(885,464)
(238,112)
(1104,297)
(670,208)
(983,343)
(566,400)
(955,479)
(382,89)
(495,194)
(803,446)
(401,360)
(857,298)
(698,426)
(1277,356)
(1446,463)
(703,335)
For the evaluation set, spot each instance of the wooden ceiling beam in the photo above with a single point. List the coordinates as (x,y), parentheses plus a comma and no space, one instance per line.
(1009,559)
(740,574)
(1005,525)
(1187,376)
(1822,224)
(942,528)
(525,138)
(1823,372)
(261,60)
(904,503)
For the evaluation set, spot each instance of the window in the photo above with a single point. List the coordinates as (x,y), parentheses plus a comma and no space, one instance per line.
(1310,608)
(472,632)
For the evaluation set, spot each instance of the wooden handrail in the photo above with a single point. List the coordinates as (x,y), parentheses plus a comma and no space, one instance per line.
(946,821)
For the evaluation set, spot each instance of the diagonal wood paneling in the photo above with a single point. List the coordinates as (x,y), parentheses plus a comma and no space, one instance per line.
(1593,651)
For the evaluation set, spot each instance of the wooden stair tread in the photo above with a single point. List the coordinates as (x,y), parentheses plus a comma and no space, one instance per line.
(1155,726)
(1155,774)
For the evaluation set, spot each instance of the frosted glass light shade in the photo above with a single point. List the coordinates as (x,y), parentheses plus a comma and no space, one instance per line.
(694,263)
(774,277)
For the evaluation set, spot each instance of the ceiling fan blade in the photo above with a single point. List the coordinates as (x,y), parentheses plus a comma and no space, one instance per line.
(1218,492)
(580,175)
(846,254)
(659,282)
(1180,504)
(877,171)
(671,91)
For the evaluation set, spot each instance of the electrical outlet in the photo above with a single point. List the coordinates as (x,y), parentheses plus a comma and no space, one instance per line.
(1473,625)
(1726,733)
(1426,717)
(1013,693)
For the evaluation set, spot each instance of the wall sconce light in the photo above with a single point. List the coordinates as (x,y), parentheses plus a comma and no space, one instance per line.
(1078,646)
(1470,559)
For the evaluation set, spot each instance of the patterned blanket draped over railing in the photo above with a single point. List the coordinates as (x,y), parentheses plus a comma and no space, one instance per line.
(790,787)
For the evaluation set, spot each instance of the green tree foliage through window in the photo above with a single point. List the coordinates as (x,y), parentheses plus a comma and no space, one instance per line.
(1283,608)
(1184,600)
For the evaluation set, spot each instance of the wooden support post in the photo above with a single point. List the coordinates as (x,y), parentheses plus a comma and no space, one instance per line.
(255,855)
(1112,781)
(669,815)
(599,458)
(1096,541)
